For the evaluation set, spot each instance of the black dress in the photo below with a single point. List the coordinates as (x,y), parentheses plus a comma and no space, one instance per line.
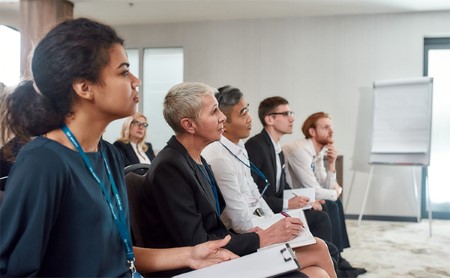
(8,155)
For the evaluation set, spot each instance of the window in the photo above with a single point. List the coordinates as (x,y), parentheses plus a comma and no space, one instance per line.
(437,65)
(9,56)
(163,68)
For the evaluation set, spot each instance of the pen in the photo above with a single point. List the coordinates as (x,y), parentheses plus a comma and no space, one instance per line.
(309,203)
(285,214)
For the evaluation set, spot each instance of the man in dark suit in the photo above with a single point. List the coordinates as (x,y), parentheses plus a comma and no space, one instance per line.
(277,119)
(181,203)
(265,152)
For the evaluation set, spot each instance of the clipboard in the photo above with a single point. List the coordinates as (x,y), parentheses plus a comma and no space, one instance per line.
(304,238)
(269,262)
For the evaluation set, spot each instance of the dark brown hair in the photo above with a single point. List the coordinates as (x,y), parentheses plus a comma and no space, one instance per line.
(227,97)
(74,49)
(268,106)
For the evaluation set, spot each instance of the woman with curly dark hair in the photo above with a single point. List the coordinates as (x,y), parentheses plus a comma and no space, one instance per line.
(65,209)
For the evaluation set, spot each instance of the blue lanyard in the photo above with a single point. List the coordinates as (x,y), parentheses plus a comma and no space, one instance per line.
(213,185)
(119,218)
(252,168)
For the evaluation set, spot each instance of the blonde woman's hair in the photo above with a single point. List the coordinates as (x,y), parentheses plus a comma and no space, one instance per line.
(125,132)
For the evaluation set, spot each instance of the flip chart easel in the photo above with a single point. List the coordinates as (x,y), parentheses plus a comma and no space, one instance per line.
(401,134)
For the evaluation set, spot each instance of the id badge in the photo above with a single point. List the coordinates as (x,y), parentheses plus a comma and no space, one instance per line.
(134,272)
(259,212)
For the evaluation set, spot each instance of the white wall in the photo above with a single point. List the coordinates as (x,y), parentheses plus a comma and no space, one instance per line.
(318,63)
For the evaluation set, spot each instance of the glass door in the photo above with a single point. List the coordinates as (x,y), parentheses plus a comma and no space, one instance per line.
(437,65)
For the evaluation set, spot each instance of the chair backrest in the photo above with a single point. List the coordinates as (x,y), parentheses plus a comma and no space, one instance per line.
(138,168)
(134,178)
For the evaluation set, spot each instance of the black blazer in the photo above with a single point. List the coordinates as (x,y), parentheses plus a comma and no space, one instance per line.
(177,205)
(262,153)
(129,156)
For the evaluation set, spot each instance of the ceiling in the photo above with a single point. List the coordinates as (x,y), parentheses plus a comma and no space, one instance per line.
(122,12)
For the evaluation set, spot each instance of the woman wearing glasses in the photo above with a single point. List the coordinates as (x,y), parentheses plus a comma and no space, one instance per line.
(132,143)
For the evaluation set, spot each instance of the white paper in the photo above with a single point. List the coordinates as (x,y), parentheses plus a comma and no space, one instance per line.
(304,238)
(307,192)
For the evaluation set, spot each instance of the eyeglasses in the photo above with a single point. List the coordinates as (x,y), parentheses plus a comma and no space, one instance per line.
(285,113)
(139,124)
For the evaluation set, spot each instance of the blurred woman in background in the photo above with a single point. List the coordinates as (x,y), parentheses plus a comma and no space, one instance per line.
(132,143)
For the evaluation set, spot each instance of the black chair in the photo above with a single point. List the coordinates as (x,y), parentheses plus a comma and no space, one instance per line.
(134,180)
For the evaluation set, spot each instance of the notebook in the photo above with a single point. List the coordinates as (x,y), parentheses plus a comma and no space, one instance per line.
(304,238)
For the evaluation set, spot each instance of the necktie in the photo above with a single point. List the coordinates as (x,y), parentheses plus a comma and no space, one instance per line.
(282,183)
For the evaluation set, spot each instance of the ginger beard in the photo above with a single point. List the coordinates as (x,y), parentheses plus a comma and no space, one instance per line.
(325,140)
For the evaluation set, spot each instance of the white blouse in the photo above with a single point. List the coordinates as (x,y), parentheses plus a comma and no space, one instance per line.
(143,158)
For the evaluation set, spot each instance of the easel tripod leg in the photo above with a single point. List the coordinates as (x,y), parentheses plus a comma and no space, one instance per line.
(427,189)
(365,196)
(416,193)
(349,191)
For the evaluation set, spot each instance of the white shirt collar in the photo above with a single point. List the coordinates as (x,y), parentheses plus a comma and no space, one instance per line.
(236,149)
(141,155)
(134,145)
(312,150)
(276,145)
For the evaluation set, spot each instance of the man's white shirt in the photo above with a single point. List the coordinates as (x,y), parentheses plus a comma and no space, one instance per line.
(236,184)
(306,169)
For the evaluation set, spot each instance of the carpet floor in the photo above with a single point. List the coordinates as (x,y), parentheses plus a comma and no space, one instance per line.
(400,249)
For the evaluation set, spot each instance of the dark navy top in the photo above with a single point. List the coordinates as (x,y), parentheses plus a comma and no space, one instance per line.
(54,219)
